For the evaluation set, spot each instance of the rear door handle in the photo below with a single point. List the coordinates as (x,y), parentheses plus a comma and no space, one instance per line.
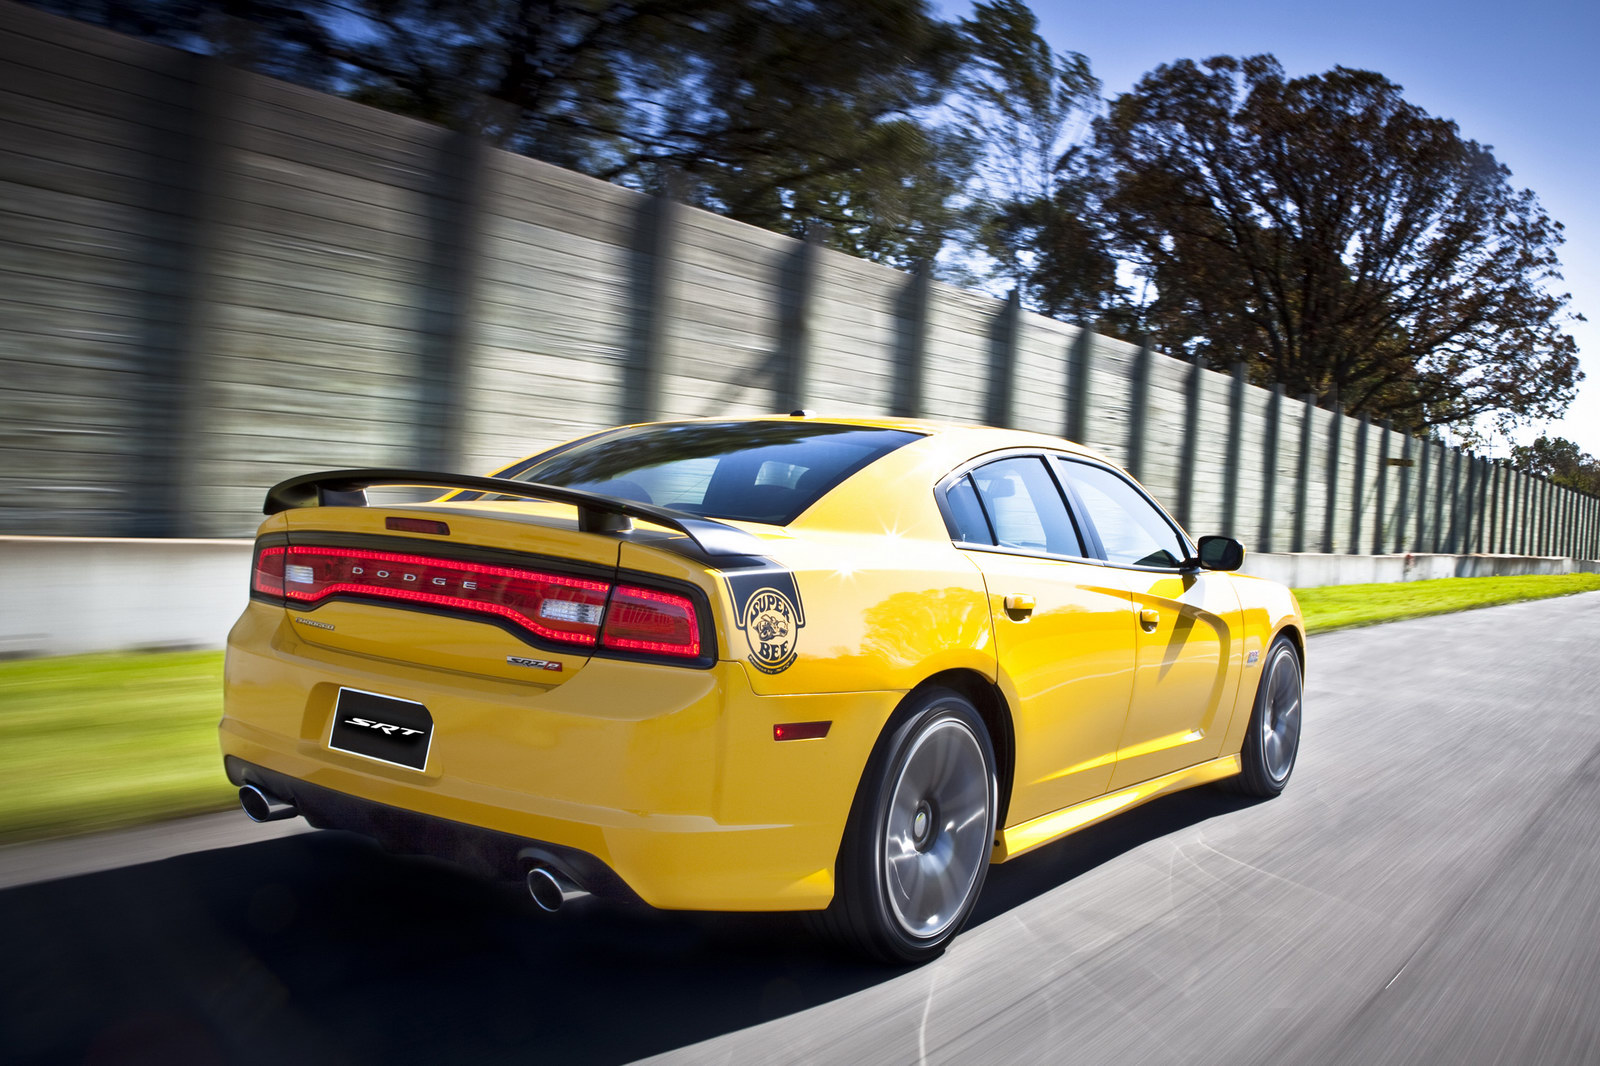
(1019,606)
(1149,618)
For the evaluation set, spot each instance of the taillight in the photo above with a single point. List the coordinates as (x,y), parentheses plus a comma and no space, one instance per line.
(657,623)
(267,576)
(553,606)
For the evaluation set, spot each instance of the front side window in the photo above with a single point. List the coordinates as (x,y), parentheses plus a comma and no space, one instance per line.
(1025,507)
(757,471)
(1131,530)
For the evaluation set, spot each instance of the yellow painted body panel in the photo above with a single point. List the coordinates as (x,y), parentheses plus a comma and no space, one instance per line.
(1017,839)
(1187,677)
(1066,671)
(670,775)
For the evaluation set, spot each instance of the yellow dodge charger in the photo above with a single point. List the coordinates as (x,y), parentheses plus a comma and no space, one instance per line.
(787,663)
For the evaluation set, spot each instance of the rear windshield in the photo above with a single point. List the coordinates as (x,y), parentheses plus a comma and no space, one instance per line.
(754,471)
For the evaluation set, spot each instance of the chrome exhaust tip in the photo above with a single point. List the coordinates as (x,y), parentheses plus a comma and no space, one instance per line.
(262,807)
(551,889)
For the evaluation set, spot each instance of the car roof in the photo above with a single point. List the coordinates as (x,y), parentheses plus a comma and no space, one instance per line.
(980,437)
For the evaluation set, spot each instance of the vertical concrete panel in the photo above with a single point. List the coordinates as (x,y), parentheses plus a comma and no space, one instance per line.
(1039,394)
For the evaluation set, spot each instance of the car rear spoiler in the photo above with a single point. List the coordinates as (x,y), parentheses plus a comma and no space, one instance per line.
(596,513)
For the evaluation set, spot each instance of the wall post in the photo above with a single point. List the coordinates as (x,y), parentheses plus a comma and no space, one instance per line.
(1492,541)
(1302,477)
(1230,485)
(1079,357)
(1380,506)
(181,237)
(797,293)
(1331,504)
(1003,330)
(444,301)
(1363,427)
(1423,468)
(1191,439)
(1269,472)
(911,342)
(1402,495)
(1439,500)
(650,242)
(1138,400)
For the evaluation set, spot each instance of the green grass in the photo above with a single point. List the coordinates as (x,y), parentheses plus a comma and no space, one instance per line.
(1343,606)
(96,741)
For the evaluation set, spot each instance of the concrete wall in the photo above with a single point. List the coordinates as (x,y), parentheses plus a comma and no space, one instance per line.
(65,595)
(210,281)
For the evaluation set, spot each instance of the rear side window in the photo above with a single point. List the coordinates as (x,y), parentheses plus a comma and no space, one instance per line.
(1025,507)
(753,471)
(967,523)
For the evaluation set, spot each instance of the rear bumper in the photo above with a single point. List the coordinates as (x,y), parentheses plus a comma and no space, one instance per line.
(483,851)
(668,778)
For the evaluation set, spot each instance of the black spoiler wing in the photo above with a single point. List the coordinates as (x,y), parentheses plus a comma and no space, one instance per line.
(596,513)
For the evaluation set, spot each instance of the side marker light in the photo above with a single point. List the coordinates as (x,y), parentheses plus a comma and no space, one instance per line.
(800,730)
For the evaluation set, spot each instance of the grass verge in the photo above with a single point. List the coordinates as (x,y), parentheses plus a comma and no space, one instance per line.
(96,741)
(93,742)
(1343,606)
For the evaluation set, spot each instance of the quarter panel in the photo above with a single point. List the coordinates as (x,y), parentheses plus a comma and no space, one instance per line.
(873,613)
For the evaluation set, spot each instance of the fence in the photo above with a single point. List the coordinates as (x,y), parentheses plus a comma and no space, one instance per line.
(211,280)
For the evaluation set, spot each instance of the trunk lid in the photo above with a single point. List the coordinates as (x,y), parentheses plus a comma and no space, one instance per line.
(508,590)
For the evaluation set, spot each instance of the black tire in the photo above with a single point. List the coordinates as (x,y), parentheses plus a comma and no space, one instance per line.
(925,807)
(1272,741)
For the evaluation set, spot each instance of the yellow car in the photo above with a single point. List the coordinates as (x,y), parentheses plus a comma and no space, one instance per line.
(785,663)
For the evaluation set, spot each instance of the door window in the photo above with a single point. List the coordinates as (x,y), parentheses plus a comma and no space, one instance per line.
(1132,531)
(1025,507)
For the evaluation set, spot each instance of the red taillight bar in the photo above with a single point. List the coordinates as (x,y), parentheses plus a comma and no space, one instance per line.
(559,608)
(555,607)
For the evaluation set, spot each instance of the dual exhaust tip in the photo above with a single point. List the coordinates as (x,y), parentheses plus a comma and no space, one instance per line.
(549,887)
(263,808)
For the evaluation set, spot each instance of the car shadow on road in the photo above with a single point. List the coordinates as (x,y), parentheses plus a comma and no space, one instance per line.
(322,948)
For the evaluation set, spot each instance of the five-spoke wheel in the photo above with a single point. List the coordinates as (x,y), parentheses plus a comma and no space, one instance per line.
(917,847)
(1273,739)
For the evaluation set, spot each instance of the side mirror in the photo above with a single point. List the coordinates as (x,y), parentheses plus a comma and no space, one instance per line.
(1221,553)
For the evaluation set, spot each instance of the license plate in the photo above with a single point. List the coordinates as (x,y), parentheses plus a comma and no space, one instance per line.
(398,732)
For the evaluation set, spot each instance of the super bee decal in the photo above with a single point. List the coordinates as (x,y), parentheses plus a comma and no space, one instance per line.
(769,613)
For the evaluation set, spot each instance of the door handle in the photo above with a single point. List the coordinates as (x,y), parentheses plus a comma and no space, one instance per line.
(1149,618)
(1019,606)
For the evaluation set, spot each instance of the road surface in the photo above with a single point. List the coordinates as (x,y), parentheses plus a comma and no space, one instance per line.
(1427,890)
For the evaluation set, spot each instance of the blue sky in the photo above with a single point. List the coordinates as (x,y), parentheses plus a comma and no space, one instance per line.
(1522,78)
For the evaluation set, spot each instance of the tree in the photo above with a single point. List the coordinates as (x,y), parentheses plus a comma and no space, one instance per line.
(1338,239)
(1030,101)
(1561,461)
(783,114)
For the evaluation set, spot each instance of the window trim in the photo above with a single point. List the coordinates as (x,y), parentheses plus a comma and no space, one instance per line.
(1089,539)
(1066,483)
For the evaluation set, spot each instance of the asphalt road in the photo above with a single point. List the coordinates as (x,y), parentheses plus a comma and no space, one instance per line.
(1427,890)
